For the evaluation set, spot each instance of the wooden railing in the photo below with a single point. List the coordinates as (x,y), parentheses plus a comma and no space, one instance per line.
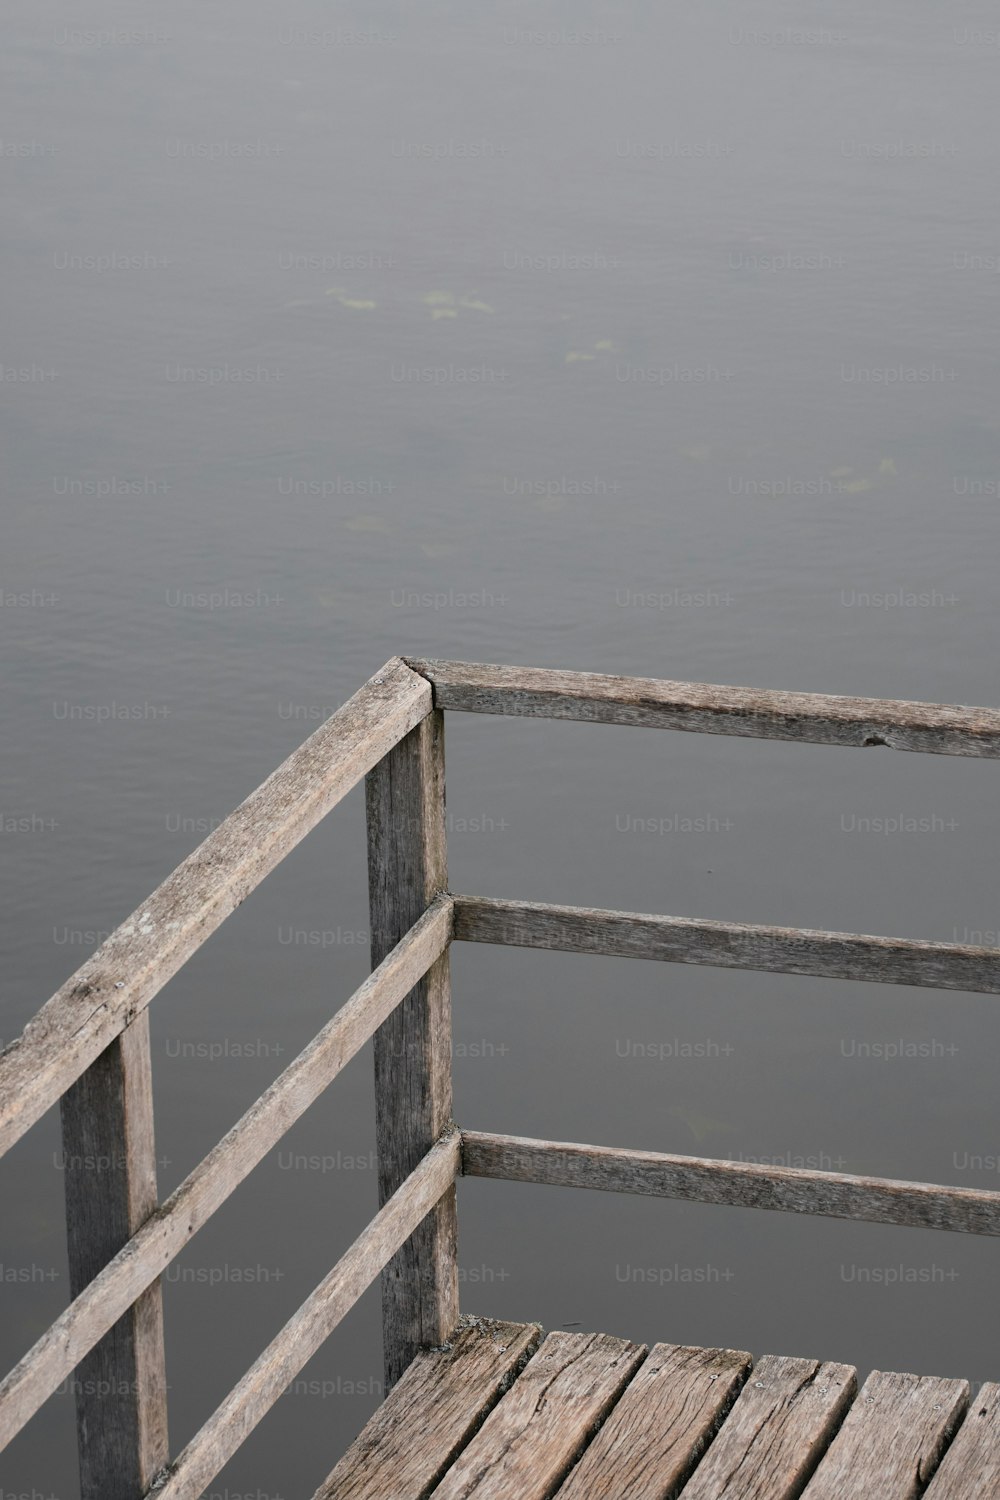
(89,1047)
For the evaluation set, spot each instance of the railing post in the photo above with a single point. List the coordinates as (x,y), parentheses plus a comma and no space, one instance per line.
(407,866)
(110,1169)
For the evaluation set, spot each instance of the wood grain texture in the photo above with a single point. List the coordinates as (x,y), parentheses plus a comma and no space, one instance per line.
(971,1467)
(727,945)
(249,1401)
(169,1229)
(813,718)
(780,1425)
(530,1439)
(433,1411)
(655,1434)
(109,1167)
(835,1195)
(118,981)
(892,1439)
(407,869)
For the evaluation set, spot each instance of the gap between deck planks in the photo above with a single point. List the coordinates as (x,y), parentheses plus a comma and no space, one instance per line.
(892,1439)
(493,1415)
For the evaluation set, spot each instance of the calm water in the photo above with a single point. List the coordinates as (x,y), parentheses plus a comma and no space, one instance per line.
(641,338)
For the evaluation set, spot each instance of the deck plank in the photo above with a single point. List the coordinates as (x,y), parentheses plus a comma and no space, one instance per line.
(779,1427)
(431,1413)
(661,1426)
(892,1438)
(528,1442)
(971,1466)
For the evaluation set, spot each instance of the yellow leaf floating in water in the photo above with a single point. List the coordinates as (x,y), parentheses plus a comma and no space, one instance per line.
(576,354)
(605,344)
(857,487)
(840,473)
(439,299)
(701,1126)
(340,292)
(887,466)
(443,312)
(474,305)
(367,523)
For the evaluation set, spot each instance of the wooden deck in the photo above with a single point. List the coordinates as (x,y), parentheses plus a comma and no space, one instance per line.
(503,1413)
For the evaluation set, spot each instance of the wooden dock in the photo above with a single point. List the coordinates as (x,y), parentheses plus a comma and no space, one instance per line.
(473,1408)
(501,1413)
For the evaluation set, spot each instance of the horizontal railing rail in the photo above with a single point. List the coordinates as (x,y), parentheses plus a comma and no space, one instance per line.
(702,708)
(89,1047)
(737,1184)
(728,945)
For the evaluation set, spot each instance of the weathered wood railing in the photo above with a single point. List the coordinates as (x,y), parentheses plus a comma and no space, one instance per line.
(89,1048)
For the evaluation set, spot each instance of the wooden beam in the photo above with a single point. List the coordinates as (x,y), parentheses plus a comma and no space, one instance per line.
(109,1164)
(118,981)
(813,718)
(168,1230)
(407,867)
(728,945)
(739,1184)
(231,1424)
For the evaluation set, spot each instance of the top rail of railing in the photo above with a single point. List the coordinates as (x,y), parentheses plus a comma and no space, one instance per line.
(810,718)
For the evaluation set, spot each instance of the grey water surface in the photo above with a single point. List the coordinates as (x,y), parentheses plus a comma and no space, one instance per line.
(648,338)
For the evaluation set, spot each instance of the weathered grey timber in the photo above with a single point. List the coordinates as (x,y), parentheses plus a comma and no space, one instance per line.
(727,945)
(814,718)
(683,1424)
(782,1421)
(407,869)
(529,1440)
(431,1413)
(189,1207)
(252,1398)
(892,1439)
(971,1467)
(880,1200)
(90,1046)
(122,976)
(109,1166)
(666,1417)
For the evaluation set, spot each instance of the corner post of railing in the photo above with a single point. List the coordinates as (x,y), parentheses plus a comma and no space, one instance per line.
(109,1163)
(407,867)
